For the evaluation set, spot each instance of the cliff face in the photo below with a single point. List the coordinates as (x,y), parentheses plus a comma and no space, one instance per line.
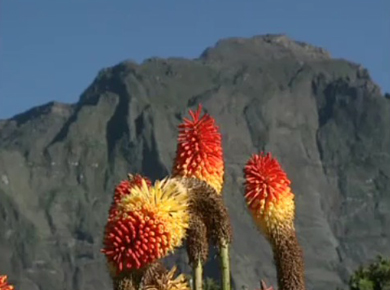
(324,119)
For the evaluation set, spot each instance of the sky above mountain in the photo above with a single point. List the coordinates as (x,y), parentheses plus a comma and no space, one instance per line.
(52,50)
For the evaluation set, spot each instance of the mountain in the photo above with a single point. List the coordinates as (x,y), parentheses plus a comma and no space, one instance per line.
(324,119)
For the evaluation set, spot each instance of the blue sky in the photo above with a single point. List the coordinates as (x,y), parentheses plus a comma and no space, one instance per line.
(53,49)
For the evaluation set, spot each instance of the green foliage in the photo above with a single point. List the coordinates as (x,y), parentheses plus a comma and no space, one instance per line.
(375,276)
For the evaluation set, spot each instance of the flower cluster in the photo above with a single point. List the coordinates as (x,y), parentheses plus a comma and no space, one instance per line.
(149,222)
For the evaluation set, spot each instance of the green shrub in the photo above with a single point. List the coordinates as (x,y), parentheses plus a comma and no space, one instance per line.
(375,276)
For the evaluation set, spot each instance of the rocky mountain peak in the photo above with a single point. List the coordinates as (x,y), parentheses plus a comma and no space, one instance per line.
(269,47)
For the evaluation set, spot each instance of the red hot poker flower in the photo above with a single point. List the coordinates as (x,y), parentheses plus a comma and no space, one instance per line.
(268,193)
(199,151)
(135,241)
(148,223)
(4,284)
(124,189)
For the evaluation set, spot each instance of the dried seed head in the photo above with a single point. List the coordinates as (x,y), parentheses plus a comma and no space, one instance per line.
(289,260)
(166,281)
(124,283)
(127,281)
(152,272)
(134,279)
(197,242)
(209,206)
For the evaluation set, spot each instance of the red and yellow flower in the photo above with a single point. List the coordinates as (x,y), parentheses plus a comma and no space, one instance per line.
(4,284)
(124,188)
(148,223)
(268,193)
(199,151)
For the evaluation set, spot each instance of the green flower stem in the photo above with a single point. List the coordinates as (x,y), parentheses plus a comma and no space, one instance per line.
(225,265)
(198,276)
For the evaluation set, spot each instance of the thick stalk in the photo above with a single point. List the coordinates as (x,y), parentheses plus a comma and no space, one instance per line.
(198,275)
(288,257)
(225,265)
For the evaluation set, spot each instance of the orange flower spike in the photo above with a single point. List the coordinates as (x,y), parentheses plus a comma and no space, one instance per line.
(4,284)
(199,151)
(268,193)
